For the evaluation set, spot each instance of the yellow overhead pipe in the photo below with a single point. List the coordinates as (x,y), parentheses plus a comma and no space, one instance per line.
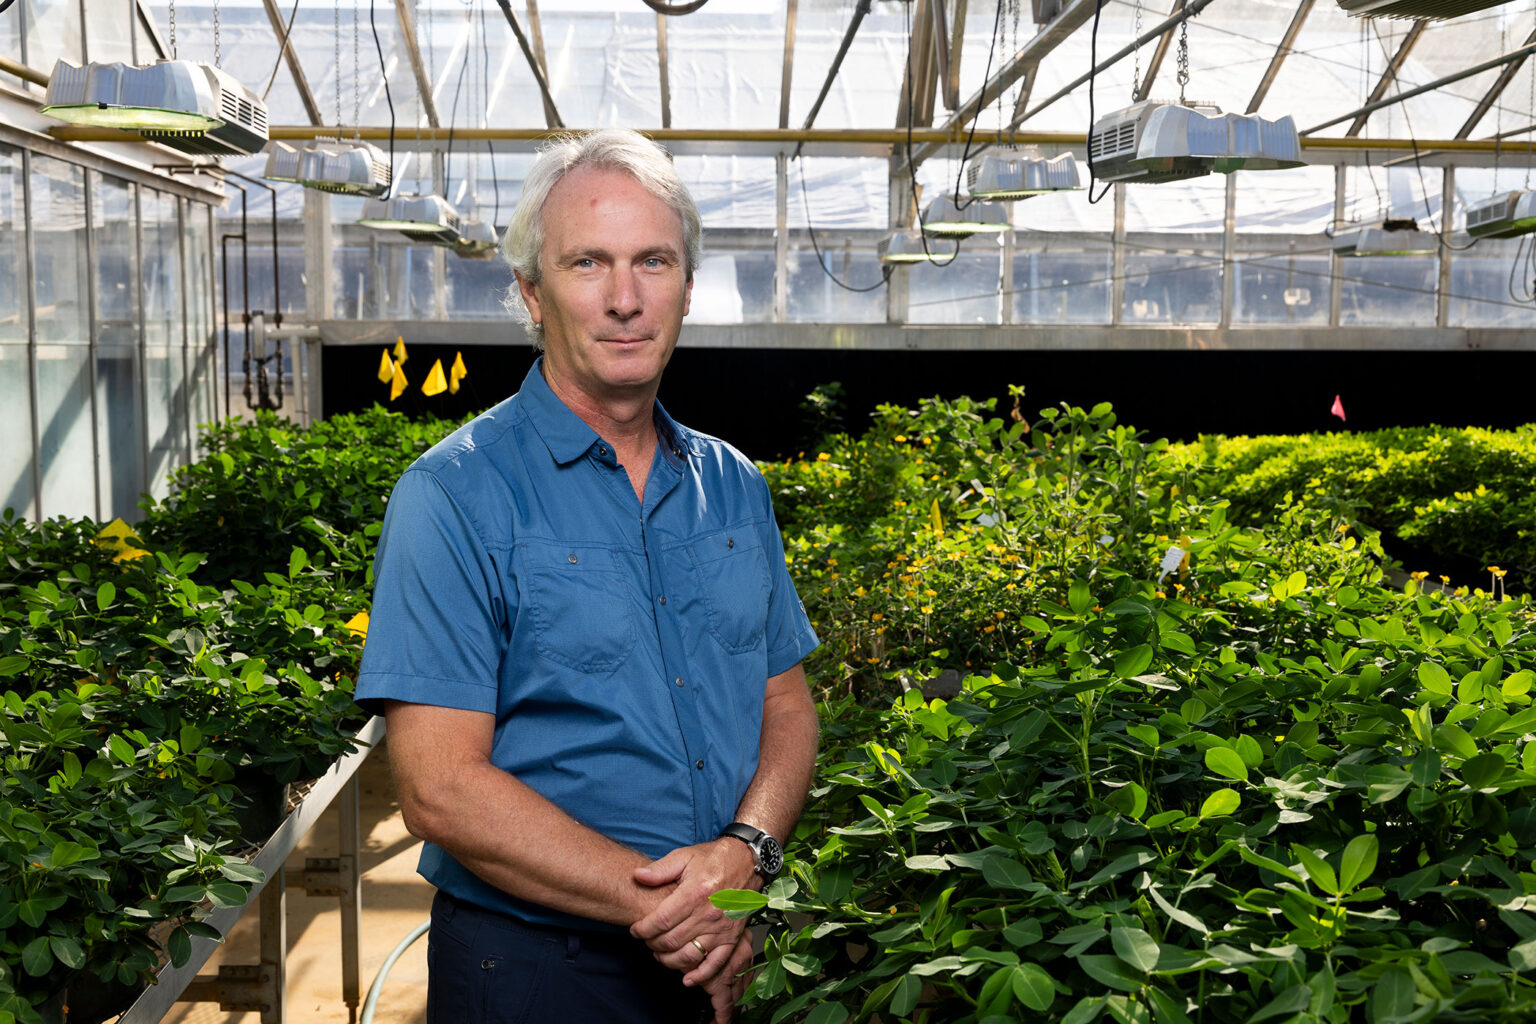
(827,136)
(23,72)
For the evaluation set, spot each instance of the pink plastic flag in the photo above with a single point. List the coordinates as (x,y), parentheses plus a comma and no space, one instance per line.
(1338,407)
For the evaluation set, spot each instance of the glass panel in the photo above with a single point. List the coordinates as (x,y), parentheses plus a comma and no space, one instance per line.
(814,296)
(10,42)
(1281,276)
(16,464)
(109,29)
(1392,290)
(1484,276)
(59,265)
(1061,280)
(53,32)
(119,394)
(1170,287)
(64,407)
(477,289)
(963,290)
(165,404)
(200,317)
(13,251)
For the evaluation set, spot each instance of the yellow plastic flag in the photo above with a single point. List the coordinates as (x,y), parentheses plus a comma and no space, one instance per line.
(386,367)
(118,537)
(398,385)
(936,519)
(436,383)
(400,350)
(456,373)
(358,624)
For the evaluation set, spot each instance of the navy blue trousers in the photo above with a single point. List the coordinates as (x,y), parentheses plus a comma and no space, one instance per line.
(487,968)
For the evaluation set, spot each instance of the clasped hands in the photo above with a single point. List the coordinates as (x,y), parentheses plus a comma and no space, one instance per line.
(687,932)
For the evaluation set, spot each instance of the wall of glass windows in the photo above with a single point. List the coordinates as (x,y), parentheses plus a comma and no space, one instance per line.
(106,337)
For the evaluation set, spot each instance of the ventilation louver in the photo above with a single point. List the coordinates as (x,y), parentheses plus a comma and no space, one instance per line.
(1503,216)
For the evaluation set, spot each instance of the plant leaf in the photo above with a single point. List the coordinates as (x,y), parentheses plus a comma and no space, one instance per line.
(1135,947)
(1033,987)
(1226,762)
(1358,861)
(1317,869)
(1219,803)
(738,903)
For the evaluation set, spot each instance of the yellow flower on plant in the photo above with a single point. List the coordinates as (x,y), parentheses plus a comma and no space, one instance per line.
(1446,580)
(1418,576)
(823,457)
(1497,572)
(927,609)
(901,438)
(989,629)
(877,616)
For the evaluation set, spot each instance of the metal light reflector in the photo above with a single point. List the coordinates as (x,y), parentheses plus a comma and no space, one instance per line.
(943,217)
(477,240)
(1503,216)
(425,218)
(282,162)
(1010,173)
(346,166)
(1416,9)
(192,107)
(1154,142)
(1393,236)
(910,247)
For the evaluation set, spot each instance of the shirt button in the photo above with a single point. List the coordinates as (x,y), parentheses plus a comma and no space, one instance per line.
(571,558)
(601,450)
(730,542)
(679,680)
(662,599)
(699,764)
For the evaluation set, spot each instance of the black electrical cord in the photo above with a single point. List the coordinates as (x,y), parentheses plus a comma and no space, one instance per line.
(675,9)
(1093,66)
(965,153)
(885,272)
(485,84)
(384,74)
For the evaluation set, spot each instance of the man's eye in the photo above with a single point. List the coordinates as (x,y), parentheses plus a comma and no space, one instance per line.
(586,261)
(654,262)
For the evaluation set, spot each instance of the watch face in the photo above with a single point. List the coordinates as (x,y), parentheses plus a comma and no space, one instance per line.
(772,856)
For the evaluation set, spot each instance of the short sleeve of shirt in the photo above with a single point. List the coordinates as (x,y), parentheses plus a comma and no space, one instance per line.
(789,634)
(438,608)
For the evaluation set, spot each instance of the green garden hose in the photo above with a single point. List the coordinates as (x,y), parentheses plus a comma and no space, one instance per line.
(372,1001)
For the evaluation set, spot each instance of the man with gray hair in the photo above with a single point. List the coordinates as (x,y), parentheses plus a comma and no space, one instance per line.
(586,643)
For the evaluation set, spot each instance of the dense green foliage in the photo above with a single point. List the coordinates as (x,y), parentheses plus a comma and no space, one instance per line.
(1267,788)
(152,694)
(1464,492)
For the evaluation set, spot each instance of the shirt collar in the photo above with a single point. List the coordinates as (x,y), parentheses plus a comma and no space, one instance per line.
(569,438)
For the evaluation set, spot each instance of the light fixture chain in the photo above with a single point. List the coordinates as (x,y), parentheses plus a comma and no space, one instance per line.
(1183,59)
(1530,109)
(218,53)
(172,6)
(357,75)
(1136,53)
(336,67)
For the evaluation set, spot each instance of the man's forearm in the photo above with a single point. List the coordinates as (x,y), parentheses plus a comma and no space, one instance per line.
(504,831)
(786,757)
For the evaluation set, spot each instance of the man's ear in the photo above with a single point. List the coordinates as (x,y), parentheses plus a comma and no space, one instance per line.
(530,295)
(687,294)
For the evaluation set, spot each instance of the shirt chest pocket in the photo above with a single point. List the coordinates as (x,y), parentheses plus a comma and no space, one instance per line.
(731,571)
(579,600)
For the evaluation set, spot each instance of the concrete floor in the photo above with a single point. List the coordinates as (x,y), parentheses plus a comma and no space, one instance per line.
(395,901)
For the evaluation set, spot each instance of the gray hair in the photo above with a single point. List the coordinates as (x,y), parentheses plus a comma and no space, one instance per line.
(619,149)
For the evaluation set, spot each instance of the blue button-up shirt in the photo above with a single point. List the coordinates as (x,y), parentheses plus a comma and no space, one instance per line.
(623,649)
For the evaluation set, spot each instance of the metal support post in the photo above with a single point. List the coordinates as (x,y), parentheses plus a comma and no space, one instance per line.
(1117,261)
(349,871)
(1005,273)
(1447,220)
(781,239)
(1335,266)
(1229,252)
(274,949)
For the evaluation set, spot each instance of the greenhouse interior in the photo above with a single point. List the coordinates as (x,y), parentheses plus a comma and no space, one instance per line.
(1134,387)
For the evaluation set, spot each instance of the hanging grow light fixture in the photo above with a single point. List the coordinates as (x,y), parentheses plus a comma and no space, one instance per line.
(344,166)
(1503,216)
(1437,10)
(909,247)
(196,108)
(282,162)
(1010,173)
(943,217)
(424,218)
(477,239)
(1390,236)
(1154,142)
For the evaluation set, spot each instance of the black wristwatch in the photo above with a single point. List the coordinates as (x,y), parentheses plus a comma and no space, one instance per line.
(766,850)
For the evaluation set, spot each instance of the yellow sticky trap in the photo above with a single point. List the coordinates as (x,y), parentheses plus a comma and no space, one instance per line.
(456,373)
(358,624)
(400,356)
(936,520)
(118,537)
(386,367)
(398,385)
(436,383)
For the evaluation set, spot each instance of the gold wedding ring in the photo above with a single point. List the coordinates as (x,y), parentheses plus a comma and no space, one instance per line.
(700,947)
